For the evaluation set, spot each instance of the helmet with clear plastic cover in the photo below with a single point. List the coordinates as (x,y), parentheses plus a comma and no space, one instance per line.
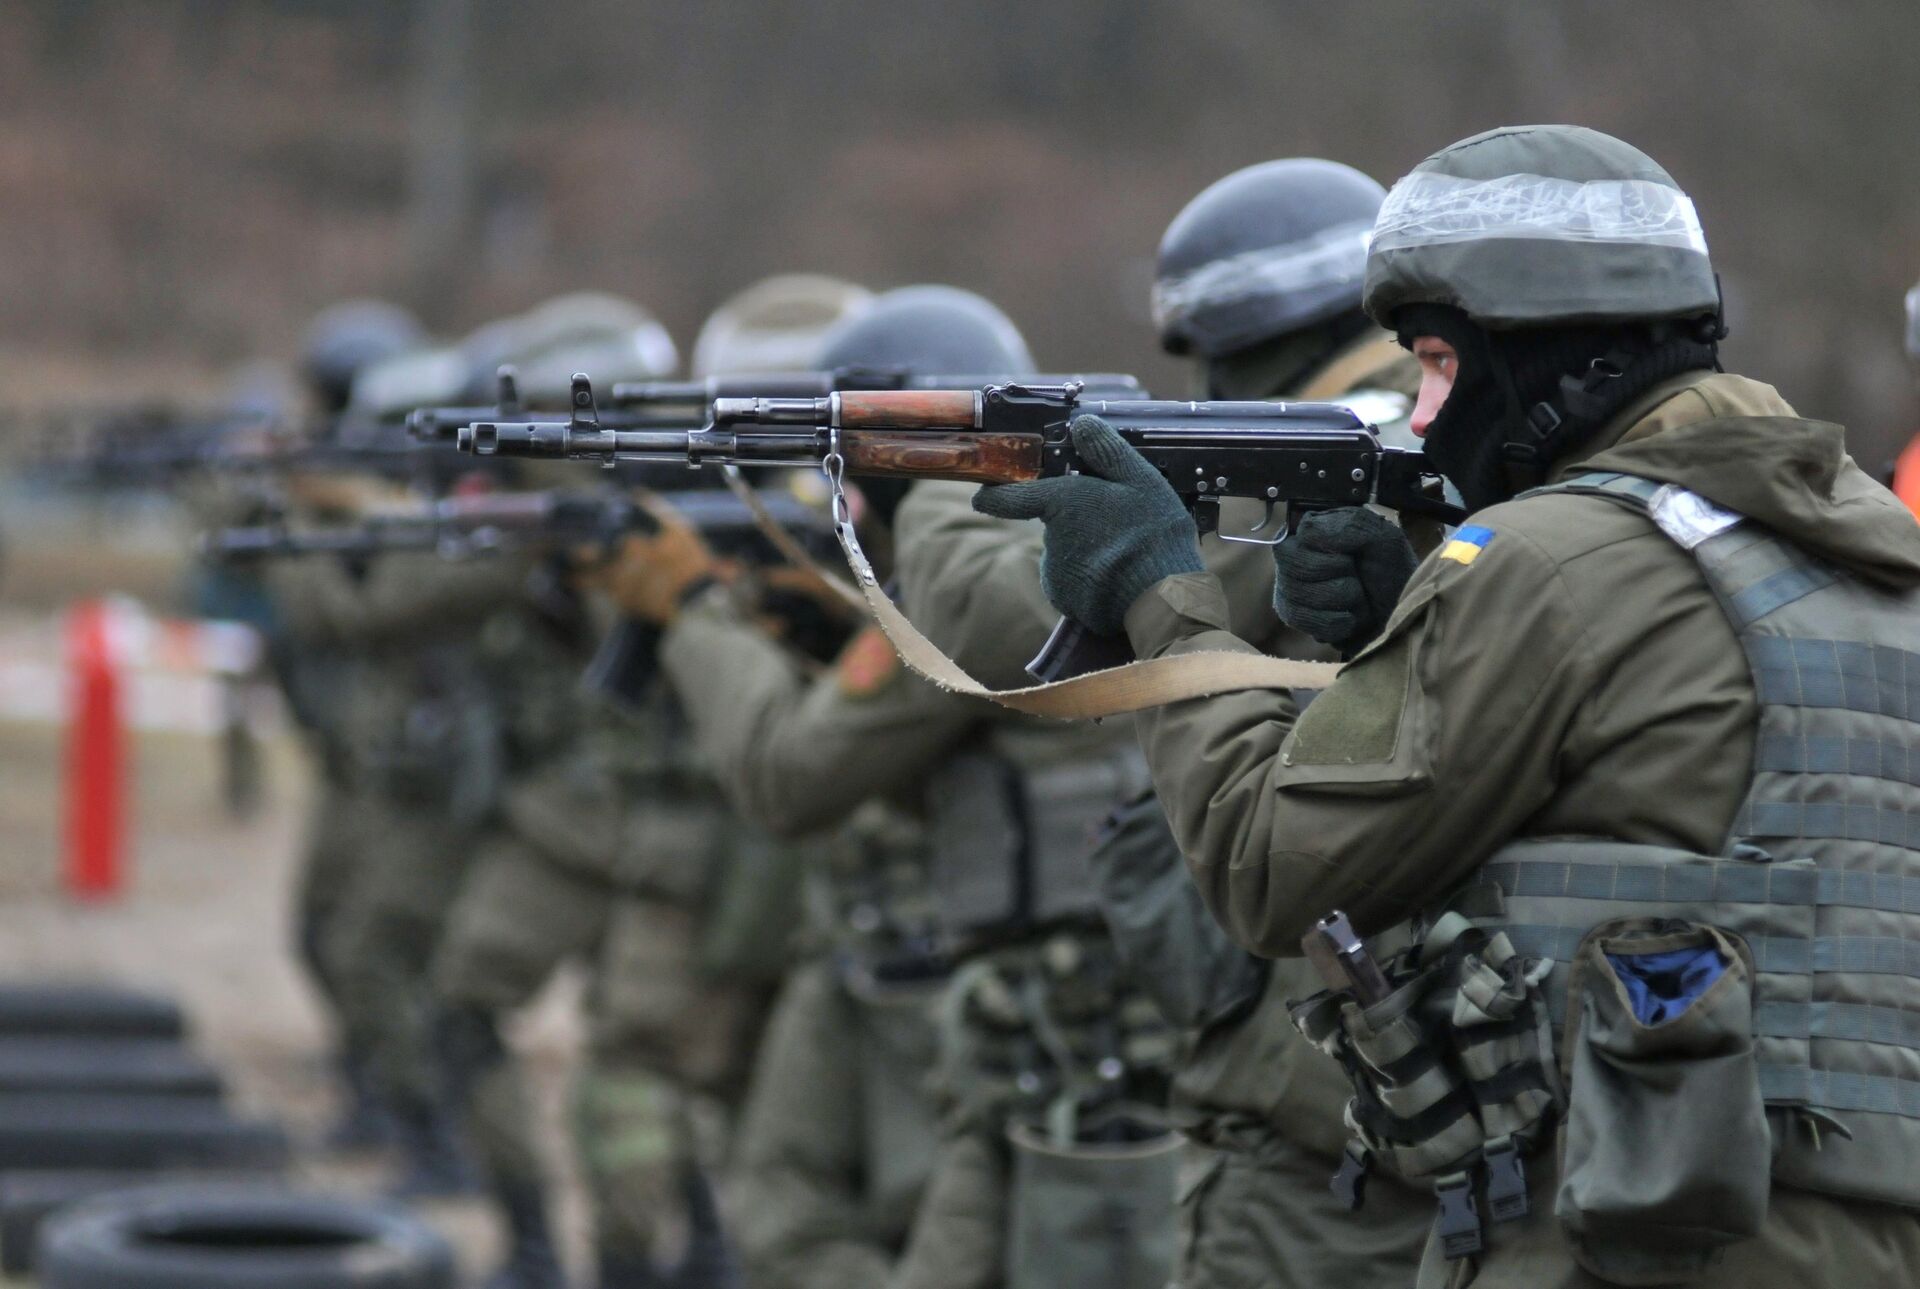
(1538,225)
(1268,250)
(776,324)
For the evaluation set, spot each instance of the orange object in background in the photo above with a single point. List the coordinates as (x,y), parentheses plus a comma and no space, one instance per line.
(96,764)
(1906,475)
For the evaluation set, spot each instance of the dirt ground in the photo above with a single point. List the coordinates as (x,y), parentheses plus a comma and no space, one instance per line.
(204,918)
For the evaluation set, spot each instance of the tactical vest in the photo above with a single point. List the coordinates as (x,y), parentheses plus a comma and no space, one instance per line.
(872,903)
(1820,874)
(1011,843)
(1802,1047)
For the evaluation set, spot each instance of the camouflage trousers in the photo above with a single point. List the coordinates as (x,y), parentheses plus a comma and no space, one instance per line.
(1269,1219)
(838,1136)
(378,943)
(331,863)
(665,1047)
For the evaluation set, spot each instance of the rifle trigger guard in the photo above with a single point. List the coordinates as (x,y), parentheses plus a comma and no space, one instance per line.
(1286,530)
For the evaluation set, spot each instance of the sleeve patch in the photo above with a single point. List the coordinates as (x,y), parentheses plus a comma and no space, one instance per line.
(1357,720)
(866,664)
(1466,544)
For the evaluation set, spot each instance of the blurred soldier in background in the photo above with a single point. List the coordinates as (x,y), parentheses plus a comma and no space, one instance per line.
(1044,1050)
(839,1134)
(619,852)
(468,919)
(317,675)
(1259,281)
(775,324)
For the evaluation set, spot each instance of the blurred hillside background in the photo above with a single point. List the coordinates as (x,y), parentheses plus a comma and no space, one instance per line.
(184,182)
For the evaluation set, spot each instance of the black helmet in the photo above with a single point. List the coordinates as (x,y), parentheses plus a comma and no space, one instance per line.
(347,337)
(1268,250)
(931,330)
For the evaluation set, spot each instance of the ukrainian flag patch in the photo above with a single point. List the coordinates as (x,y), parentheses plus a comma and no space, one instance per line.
(1466,544)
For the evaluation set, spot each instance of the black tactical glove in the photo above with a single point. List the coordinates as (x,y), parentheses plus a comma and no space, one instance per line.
(1111,533)
(1340,574)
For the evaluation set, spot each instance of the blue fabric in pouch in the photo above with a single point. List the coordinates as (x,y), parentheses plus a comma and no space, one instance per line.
(1661,986)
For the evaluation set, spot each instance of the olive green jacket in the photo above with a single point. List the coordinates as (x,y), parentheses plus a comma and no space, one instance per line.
(1570,674)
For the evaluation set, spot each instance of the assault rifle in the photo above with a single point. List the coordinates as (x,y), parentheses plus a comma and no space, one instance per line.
(699,395)
(563,523)
(460,526)
(149,448)
(683,404)
(442,424)
(1294,457)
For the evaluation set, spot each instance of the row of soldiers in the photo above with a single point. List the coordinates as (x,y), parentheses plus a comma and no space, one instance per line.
(1047,1023)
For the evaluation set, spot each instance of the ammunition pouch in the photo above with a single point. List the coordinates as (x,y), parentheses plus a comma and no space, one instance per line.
(1453,1073)
(1095,1206)
(1048,1029)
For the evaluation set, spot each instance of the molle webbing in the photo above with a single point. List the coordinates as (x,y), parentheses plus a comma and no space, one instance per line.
(1012,844)
(1821,871)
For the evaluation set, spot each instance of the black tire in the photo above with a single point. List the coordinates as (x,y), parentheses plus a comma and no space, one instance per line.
(92,1063)
(88,1009)
(28,1199)
(200,1237)
(49,1130)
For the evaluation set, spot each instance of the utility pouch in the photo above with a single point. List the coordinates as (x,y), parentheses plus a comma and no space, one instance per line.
(1453,1075)
(1098,1208)
(1666,1153)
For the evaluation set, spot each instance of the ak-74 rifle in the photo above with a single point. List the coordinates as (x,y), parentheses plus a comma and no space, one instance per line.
(1294,457)
(149,448)
(563,523)
(473,525)
(681,405)
(699,395)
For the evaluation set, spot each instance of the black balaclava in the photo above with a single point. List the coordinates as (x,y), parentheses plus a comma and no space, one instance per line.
(1522,400)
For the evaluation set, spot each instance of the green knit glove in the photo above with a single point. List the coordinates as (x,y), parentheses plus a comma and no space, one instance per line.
(1339,576)
(1111,533)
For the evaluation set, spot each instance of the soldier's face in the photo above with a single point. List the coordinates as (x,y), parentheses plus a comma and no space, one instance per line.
(1439,364)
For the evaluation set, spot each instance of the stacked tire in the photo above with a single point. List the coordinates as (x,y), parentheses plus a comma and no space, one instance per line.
(196,1237)
(99,1090)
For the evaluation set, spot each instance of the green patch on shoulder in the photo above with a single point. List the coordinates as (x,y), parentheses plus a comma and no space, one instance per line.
(1357,720)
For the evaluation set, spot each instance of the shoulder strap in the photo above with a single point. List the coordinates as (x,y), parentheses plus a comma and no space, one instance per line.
(1629,490)
(1132,687)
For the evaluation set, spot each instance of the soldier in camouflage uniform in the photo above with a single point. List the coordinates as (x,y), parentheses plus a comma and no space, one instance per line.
(341,343)
(1049,1065)
(1621,769)
(1259,281)
(616,851)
